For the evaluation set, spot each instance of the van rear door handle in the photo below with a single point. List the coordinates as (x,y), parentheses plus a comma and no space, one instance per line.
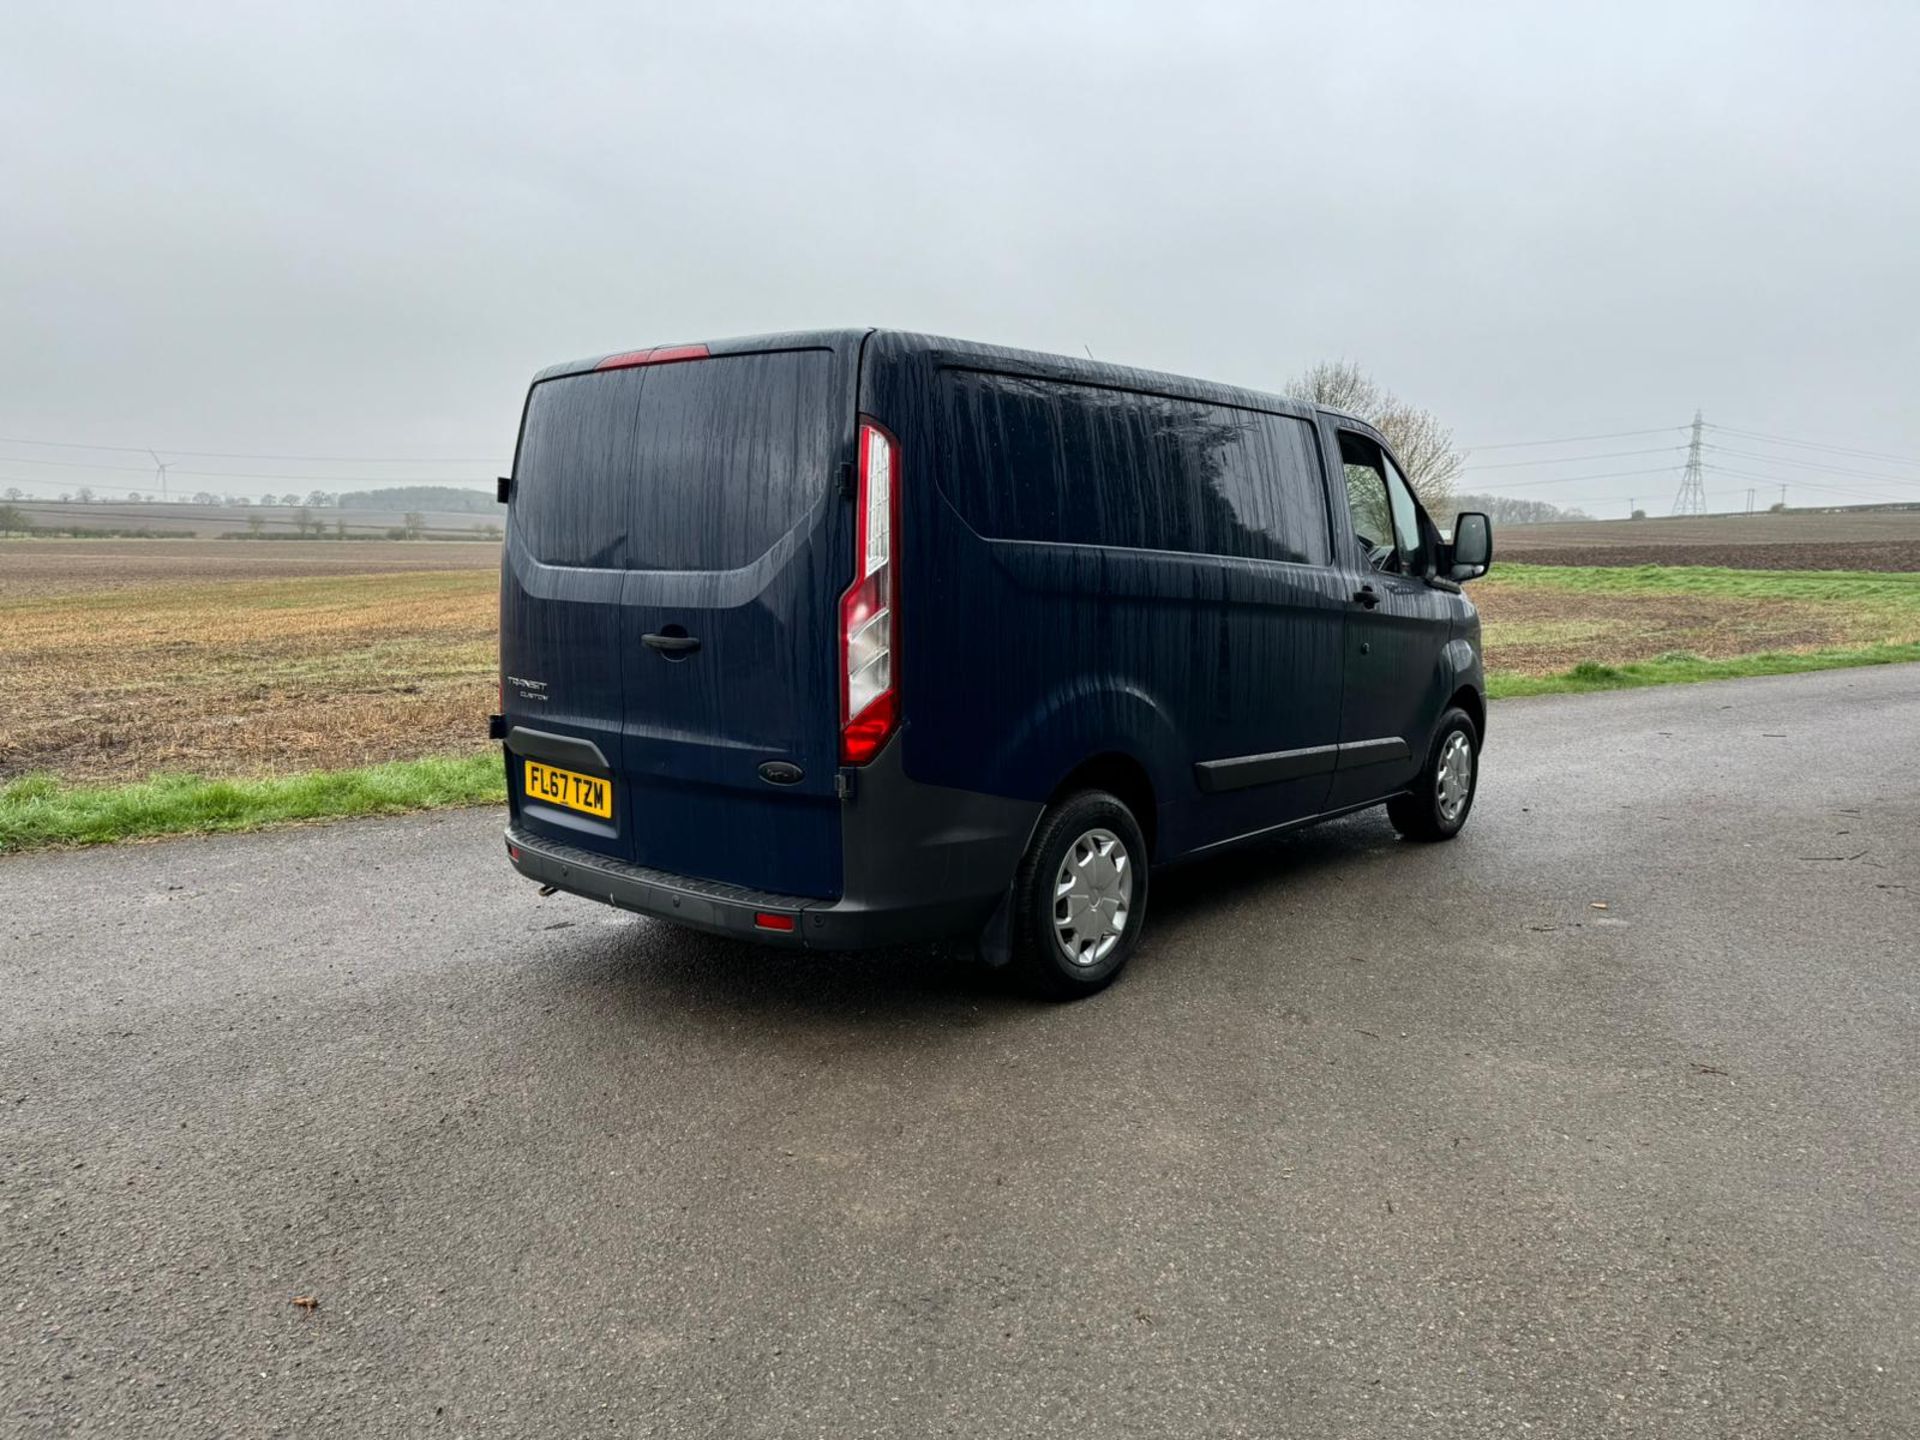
(671,644)
(1366,595)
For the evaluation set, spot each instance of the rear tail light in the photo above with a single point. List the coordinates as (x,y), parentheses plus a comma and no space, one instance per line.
(869,611)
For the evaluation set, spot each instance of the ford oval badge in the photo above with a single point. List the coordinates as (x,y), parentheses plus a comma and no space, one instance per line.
(779,772)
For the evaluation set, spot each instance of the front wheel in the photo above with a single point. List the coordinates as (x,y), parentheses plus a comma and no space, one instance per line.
(1079,897)
(1442,795)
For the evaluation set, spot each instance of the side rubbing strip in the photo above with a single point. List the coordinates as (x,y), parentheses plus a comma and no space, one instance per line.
(1356,753)
(1213,776)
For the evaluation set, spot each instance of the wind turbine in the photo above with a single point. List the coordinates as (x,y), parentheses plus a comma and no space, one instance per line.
(160,471)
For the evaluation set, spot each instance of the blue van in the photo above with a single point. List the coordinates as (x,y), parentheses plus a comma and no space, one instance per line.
(855,637)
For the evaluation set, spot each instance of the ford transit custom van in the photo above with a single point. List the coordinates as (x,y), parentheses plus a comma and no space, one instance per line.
(858,637)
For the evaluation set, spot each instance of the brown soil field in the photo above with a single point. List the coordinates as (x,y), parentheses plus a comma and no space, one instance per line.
(36,569)
(1887,540)
(250,676)
(1540,631)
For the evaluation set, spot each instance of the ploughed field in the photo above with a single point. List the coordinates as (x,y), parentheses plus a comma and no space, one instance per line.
(1887,540)
(240,657)
(33,570)
(123,659)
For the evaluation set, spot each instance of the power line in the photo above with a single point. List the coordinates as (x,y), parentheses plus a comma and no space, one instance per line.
(1575,459)
(1576,479)
(244,474)
(1816,465)
(257,455)
(1808,485)
(1816,445)
(1574,439)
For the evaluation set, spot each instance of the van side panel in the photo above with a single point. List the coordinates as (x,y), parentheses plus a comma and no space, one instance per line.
(1025,659)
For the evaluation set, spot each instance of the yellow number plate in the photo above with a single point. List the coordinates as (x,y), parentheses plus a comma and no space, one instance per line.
(588,794)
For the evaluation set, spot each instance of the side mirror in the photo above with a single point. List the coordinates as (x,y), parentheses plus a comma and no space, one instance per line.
(1472,545)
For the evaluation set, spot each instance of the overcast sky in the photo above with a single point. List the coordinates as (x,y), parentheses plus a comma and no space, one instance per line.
(356,231)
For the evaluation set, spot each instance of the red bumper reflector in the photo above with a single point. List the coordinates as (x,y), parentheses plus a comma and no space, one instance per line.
(513,851)
(766,920)
(658,355)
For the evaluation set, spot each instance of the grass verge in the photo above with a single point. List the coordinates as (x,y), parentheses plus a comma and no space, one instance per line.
(40,810)
(1678,669)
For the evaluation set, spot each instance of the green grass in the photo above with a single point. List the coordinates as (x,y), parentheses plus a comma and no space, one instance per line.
(40,810)
(1680,668)
(1895,588)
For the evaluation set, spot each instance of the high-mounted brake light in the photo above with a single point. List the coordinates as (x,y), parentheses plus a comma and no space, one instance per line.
(658,355)
(869,611)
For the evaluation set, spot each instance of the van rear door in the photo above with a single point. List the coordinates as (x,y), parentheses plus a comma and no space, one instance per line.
(561,577)
(739,547)
(675,595)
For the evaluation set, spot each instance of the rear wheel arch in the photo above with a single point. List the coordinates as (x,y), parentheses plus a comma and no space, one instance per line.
(1121,776)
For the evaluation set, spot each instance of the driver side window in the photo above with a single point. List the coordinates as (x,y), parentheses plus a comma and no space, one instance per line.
(1386,529)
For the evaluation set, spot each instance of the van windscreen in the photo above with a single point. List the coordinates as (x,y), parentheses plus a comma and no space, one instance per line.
(702,465)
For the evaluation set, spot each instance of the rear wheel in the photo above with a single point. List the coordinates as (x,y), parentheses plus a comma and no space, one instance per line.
(1079,897)
(1442,795)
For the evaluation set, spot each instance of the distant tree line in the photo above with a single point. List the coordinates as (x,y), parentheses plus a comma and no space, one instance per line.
(1506,510)
(418,497)
(403,497)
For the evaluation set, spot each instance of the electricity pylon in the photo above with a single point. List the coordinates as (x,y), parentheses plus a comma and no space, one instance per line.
(1692,499)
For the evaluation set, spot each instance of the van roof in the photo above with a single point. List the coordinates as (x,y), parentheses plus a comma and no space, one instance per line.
(973,354)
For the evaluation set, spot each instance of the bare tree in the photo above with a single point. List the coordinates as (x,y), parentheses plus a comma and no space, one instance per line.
(1423,445)
(13,520)
(13,493)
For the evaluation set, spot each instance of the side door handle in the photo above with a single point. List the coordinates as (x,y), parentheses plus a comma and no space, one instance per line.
(1366,595)
(671,644)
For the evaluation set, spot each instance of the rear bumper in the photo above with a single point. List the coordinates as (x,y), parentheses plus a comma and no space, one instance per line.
(722,909)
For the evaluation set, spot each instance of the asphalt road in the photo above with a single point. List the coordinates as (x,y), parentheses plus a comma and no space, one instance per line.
(1373,1140)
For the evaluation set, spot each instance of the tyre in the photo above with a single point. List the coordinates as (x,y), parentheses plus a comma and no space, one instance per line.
(1079,897)
(1442,794)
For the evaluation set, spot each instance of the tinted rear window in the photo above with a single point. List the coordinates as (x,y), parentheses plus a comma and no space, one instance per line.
(1041,460)
(695,466)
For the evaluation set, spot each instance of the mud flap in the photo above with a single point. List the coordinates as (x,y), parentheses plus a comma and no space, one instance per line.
(995,945)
